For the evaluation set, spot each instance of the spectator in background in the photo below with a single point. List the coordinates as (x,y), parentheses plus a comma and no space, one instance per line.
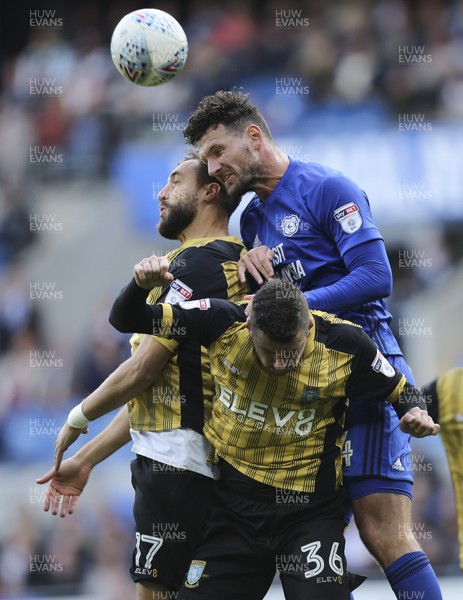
(102,353)
(15,230)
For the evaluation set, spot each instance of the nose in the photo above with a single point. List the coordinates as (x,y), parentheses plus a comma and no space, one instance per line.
(213,166)
(162,194)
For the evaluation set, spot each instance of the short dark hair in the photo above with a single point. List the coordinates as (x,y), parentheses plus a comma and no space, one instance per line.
(280,310)
(228,203)
(229,108)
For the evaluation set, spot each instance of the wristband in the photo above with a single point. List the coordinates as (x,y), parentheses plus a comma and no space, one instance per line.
(76,418)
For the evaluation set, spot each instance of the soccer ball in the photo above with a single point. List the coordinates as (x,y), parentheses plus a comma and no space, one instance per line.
(149,47)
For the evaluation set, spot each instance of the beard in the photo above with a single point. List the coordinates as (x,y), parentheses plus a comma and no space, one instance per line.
(179,217)
(249,174)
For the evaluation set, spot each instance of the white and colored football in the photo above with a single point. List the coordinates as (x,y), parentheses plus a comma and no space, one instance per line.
(149,47)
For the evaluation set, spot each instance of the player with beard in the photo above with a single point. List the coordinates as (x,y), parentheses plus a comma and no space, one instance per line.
(313,226)
(168,389)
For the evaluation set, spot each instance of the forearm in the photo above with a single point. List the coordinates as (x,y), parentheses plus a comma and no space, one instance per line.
(129,312)
(113,437)
(410,397)
(355,289)
(128,380)
(369,278)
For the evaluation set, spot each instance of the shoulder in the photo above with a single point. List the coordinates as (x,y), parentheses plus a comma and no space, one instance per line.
(316,181)
(207,250)
(252,205)
(337,334)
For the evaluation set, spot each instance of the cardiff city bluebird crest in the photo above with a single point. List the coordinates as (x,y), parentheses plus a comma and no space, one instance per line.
(290,225)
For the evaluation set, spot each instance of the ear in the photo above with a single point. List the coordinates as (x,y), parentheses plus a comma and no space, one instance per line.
(248,323)
(212,191)
(254,132)
(311,322)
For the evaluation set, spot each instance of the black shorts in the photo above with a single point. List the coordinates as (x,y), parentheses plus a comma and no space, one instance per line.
(170,509)
(254,531)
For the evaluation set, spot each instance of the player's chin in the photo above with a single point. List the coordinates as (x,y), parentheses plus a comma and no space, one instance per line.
(279,372)
(233,187)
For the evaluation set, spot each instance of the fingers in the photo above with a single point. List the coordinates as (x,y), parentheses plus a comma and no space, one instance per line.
(65,504)
(54,499)
(72,504)
(47,499)
(47,476)
(241,269)
(418,423)
(258,263)
(152,271)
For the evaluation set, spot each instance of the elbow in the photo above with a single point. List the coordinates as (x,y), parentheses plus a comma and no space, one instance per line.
(117,322)
(142,372)
(385,288)
(385,282)
(380,276)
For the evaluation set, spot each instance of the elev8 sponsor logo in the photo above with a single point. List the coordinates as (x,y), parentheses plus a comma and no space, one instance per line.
(274,418)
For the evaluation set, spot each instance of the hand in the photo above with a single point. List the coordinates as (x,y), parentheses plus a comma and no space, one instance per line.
(66,437)
(418,423)
(258,263)
(66,485)
(152,272)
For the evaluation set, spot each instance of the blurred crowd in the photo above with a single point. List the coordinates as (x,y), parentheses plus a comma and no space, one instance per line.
(378,58)
(60,95)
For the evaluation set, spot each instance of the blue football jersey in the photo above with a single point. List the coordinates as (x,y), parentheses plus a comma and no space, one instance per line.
(311,219)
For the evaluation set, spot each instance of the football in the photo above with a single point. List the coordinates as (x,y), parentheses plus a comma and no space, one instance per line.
(149,47)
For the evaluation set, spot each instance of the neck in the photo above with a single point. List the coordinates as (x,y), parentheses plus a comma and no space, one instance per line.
(273,167)
(205,226)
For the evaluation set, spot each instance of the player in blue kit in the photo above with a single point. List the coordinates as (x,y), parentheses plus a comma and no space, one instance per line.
(311,225)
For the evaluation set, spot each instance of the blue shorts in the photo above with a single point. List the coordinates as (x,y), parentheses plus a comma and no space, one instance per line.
(374,446)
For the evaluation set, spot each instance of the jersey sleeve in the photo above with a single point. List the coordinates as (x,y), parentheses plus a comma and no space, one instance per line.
(346,216)
(246,223)
(202,321)
(369,278)
(372,376)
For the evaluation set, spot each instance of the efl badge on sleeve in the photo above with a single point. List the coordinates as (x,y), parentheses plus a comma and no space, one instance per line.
(178,292)
(203,304)
(195,573)
(349,217)
(380,365)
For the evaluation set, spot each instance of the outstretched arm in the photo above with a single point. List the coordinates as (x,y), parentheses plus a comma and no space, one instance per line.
(129,379)
(67,484)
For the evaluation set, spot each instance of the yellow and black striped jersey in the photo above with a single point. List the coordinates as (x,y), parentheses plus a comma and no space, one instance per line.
(283,430)
(201,267)
(446,394)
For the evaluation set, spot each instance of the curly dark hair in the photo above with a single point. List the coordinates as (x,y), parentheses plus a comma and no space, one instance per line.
(227,202)
(229,108)
(279,309)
